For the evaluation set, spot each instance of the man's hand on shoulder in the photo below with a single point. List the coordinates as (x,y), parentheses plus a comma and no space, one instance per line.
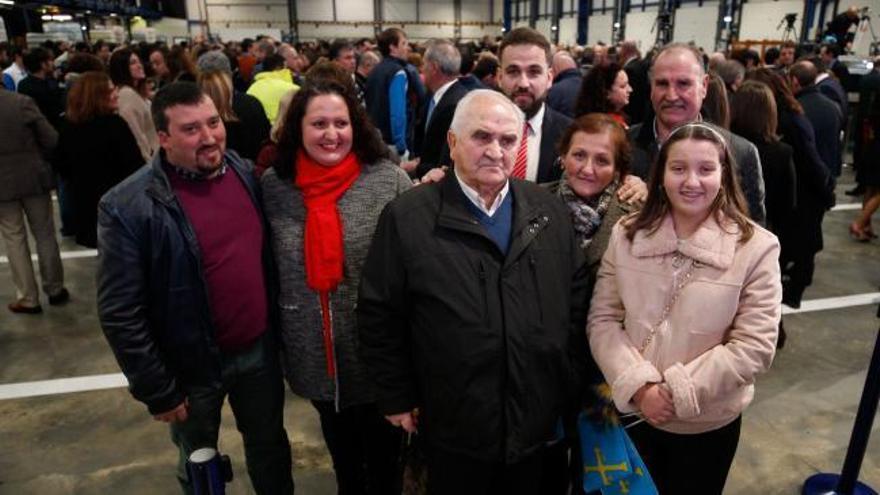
(434,175)
(176,415)
(632,191)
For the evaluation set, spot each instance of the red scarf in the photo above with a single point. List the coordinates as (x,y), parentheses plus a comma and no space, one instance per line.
(324,253)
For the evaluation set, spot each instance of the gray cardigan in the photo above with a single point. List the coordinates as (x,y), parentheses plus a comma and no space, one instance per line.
(303,354)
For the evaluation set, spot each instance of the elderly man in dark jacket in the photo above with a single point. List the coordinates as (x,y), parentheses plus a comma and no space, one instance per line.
(183,278)
(472,309)
(26,180)
(824,115)
(678,87)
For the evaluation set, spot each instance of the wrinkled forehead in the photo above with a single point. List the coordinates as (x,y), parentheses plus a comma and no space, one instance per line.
(677,63)
(492,117)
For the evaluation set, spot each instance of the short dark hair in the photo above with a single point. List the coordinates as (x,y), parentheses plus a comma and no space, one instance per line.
(337,47)
(246,44)
(34,59)
(486,66)
(176,93)
(367,143)
(390,36)
(273,62)
(771,55)
(525,36)
(804,72)
(84,62)
(833,48)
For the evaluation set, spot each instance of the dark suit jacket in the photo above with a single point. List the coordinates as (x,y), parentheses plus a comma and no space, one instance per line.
(833,89)
(780,182)
(645,148)
(430,139)
(563,95)
(824,115)
(552,128)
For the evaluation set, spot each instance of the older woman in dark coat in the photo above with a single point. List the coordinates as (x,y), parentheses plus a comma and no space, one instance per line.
(323,198)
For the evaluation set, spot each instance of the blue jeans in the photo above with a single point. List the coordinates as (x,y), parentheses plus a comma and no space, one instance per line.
(251,378)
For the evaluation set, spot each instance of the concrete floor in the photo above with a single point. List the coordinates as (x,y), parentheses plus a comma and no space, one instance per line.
(100,442)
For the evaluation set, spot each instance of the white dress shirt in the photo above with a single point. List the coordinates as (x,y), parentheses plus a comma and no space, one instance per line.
(534,145)
(474,196)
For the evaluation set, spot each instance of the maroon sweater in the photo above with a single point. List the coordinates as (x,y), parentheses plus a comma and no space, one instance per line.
(230,237)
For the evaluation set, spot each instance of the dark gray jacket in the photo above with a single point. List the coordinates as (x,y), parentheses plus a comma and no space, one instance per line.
(27,139)
(490,346)
(303,353)
(645,149)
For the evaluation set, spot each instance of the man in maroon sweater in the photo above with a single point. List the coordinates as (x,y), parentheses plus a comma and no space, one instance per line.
(183,290)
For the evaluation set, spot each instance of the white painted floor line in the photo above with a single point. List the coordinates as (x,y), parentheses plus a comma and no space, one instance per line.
(62,386)
(834,303)
(65,255)
(847,206)
(117,380)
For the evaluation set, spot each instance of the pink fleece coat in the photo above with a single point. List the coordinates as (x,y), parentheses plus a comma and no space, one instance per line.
(719,335)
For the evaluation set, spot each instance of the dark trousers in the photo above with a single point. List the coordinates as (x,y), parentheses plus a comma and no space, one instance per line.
(252,380)
(687,464)
(365,449)
(797,276)
(451,474)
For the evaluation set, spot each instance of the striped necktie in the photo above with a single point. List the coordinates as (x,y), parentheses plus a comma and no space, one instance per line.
(522,156)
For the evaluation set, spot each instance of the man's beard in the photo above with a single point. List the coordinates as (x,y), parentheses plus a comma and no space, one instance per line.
(532,108)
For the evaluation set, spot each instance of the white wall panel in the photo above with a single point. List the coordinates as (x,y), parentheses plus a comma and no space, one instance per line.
(498,11)
(520,24)
(472,11)
(638,28)
(543,27)
(477,32)
(171,27)
(195,10)
(697,24)
(599,29)
(760,18)
(354,10)
(428,31)
(247,13)
(400,10)
(238,34)
(441,11)
(328,32)
(314,10)
(568,31)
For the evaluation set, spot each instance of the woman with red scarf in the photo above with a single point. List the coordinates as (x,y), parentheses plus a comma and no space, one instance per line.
(322,199)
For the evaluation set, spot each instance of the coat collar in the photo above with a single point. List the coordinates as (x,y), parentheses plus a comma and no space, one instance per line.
(711,244)
(529,217)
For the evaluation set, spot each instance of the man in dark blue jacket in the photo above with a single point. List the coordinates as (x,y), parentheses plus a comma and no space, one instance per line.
(394,92)
(183,296)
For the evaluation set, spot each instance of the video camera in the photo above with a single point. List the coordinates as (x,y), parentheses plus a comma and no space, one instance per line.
(789,20)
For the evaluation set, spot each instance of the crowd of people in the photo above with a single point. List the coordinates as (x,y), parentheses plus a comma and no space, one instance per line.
(459,241)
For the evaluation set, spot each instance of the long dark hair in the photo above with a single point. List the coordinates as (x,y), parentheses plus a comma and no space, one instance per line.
(366,144)
(729,202)
(785,99)
(597,83)
(120,70)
